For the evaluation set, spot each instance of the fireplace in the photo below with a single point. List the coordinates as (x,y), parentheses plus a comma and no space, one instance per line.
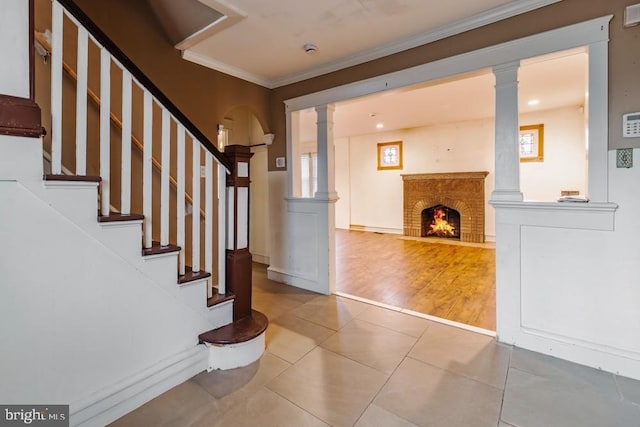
(445,205)
(440,221)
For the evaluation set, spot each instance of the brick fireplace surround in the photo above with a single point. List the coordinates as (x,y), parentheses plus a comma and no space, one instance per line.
(462,191)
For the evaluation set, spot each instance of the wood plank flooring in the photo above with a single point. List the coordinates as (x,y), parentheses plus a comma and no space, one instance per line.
(454,282)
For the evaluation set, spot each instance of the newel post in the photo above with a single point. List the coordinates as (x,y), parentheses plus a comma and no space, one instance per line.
(238,262)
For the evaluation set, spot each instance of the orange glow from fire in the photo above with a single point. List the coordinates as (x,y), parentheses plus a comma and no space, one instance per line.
(440,226)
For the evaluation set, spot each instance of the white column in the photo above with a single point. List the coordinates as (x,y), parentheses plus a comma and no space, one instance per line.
(507,154)
(327,194)
(14,46)
(326,156)
(598,122)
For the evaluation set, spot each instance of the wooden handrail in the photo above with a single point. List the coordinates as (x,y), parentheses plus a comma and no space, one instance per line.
(115,51)
(115,120)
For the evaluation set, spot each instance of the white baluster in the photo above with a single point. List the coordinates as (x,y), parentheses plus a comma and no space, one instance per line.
(125,176)
(222,228)
(56,88)
(147,168)
(164,178)
(180,200)
(105,129)
(208,219)
(81,102)
(195,215)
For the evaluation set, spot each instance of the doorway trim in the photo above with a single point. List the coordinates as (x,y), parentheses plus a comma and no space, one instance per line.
(593,34)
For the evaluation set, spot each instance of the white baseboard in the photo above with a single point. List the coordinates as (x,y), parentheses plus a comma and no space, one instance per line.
(384,230)
(261,259)
(291,279)
(111,403)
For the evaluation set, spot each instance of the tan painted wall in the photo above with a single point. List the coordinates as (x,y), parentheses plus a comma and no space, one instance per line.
(203,95)
(624,60)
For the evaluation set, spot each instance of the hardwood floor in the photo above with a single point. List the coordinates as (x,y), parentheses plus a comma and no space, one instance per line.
(451,281)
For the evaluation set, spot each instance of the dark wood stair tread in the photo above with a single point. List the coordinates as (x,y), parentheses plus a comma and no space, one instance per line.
(190,276)
(118,217)
(78,178)
(158,249)
(241,330)
(220,298)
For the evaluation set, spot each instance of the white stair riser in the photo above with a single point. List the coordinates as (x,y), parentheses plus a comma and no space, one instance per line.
(233,356)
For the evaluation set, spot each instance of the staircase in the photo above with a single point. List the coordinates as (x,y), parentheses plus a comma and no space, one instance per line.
(125,261)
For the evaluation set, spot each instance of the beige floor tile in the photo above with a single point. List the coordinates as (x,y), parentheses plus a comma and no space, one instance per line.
(430,396)
(531,400)
(274,305)
(330,311)
(562,371)
(234,386)
(372,345)
(290,337)
(463,352)
(263,409)
(400,322)
(177,407)
(375,416)
(333,388)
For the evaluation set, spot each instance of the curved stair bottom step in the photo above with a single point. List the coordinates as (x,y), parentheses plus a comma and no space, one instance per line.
(238,344)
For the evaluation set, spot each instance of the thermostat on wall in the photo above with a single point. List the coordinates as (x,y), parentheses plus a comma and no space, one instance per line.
(631,125)
(280,162)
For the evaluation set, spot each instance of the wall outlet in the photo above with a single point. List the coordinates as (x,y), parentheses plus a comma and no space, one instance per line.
(203,171)
(280,162)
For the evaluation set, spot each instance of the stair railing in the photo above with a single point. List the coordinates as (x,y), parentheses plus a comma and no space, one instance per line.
(186,133)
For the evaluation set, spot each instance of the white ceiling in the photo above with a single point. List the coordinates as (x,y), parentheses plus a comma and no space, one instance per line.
(265,42)
(262,42)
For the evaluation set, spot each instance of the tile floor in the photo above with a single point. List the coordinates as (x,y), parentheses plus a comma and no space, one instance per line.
(340,362)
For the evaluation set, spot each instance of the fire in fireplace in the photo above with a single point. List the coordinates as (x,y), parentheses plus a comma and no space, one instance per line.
(441,221)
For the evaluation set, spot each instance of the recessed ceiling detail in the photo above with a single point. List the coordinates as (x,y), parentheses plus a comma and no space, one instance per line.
(188,22)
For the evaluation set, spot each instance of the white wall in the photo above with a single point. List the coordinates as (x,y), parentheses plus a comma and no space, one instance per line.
(565,163)
(375,197)
(14,48)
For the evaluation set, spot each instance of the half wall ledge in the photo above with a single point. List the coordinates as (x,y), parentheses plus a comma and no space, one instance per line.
(584,216)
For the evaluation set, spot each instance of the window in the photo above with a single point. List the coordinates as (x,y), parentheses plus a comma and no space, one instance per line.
(309,174)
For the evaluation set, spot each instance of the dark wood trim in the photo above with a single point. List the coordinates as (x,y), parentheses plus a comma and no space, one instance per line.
(105,41)
(190,276)
(239,280)
(117,217)
(20,117)
(220,298)
(241,330)
(157,249)
(76,178)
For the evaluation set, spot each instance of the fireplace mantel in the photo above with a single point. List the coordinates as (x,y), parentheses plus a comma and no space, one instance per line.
(463,191)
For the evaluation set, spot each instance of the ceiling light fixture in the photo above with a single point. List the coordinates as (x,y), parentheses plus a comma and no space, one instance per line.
(310,48)
(533,102)
(379,126)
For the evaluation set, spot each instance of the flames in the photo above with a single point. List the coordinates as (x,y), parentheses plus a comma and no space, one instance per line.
(440,226)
